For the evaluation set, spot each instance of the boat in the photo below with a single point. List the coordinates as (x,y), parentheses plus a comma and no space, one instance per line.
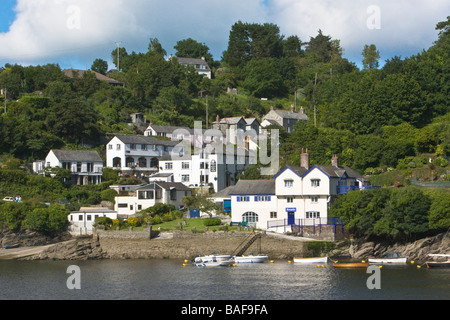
(11,247)
(311,260)
(213,262)
(390,258)
(212,257)
(250,259)
(439,264)
(351,265)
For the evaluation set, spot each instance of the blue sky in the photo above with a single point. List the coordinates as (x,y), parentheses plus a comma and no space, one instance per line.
(73,33)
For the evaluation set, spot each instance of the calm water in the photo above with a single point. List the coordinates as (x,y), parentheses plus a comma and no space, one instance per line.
(169,280)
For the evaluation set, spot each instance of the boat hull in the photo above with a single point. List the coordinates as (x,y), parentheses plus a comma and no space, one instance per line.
(388,261)
(433,264)
(250,259)
(213,264)
(212,258)
(311,260)
(351,265)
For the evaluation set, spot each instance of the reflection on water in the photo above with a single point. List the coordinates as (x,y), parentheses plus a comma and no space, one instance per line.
(169,280)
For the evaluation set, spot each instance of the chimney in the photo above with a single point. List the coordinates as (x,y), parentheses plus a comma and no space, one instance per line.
(271,107)
(335,161)
(292,108)
(304,159)
(217,118)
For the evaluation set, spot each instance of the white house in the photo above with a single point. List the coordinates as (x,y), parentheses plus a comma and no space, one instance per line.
(82,221)
(296,196)
(147,196)
(200,65)
(86,166)
(204,169)
(137,152)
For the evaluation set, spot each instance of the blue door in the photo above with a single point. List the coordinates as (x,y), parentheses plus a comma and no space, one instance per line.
(291,217)
(194,213)
(227,206)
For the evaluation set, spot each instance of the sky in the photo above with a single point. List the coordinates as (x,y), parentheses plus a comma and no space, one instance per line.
(73,33)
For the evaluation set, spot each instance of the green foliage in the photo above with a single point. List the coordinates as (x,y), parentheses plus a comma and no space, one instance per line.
(396,213)
(212,222)
(49,220)
(104,221)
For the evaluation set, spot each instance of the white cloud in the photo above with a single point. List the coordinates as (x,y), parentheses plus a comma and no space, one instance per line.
(75,32)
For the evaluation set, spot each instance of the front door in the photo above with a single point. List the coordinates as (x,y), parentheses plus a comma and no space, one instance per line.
(291,218)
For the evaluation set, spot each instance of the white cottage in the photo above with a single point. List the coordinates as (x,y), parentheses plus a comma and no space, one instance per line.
(136,152)
(86,166)
(82,221)
(147,196)
(297,196)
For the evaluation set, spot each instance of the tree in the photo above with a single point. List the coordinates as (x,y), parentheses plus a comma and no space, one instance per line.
(189,48)
(371,56)
(323,47)
(100,66)
(292,47)
(156,47)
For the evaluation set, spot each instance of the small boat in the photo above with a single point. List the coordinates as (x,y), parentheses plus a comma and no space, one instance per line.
(250,259)
(351,265)
(214,263)
(439,264)
(212,257)
(311,260)
(11,247)
(391,258)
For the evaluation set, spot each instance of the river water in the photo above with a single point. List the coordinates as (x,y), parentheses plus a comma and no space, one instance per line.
(170,280)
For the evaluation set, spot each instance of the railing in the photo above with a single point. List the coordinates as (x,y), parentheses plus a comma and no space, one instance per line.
(312,222)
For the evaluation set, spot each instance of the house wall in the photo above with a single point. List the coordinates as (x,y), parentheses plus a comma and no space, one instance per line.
(81,222)
(261,208)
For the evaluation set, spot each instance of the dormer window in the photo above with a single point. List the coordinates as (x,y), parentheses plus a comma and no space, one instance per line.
(315,182)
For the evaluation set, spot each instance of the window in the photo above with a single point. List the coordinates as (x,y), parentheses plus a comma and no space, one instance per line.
(315,182)
(312,214)
(80,217)
(314,199)
(144,147)
(122,205)
(90,167)
(133,146)
(250,217)
(110,146)
(290,199)
(185,165)
(243,199)
(169,166)
(184,178)
(288,183)
(88,217)
(262,198)
(118,147)
(273,214)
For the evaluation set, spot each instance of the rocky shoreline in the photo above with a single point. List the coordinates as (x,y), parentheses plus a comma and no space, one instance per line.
(186,245)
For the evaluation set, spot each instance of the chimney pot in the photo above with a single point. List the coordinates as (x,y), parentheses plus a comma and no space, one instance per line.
(304,159)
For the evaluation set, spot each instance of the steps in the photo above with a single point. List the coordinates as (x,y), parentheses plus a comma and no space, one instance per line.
(239,251)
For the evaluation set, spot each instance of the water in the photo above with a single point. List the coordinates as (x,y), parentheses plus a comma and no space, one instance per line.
(169,280)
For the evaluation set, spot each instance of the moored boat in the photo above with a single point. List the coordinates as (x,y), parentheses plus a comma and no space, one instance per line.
(350,265)
(311,260)
(212,257)
(250,259)
(391,258)
(214,263)
(439,264)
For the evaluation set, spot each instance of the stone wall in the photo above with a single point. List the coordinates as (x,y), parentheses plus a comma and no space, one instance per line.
(187,245)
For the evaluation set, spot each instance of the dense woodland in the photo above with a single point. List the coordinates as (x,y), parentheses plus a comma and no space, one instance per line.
(378,120)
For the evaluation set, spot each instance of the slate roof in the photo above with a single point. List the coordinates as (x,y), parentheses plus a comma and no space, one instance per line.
(168,129)
(137,139)
(77,155)
(193,62)
(254,187)
(165,185)
(287,114)
(337,172)
(224,193)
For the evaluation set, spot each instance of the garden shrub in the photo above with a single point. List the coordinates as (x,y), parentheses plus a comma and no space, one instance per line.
(212,222)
